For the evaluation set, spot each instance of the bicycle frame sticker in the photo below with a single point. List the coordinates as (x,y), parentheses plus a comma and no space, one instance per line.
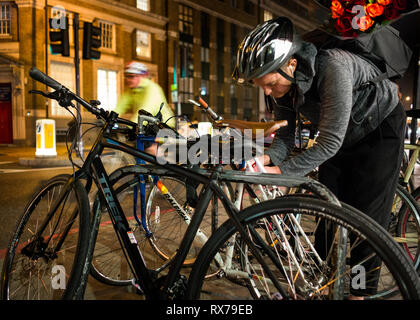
(132,238)
(110,200)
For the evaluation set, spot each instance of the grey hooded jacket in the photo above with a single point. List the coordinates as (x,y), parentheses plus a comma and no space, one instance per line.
(327,95)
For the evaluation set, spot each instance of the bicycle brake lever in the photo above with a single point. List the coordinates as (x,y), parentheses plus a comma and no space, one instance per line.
(42,93)
(50,95)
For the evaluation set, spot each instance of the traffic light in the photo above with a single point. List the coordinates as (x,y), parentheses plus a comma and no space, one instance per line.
(60,38)
(91,41)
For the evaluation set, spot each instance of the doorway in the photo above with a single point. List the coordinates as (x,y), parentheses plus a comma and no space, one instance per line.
(6,130)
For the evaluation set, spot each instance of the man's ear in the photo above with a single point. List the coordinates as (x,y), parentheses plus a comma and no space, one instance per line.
(293,63)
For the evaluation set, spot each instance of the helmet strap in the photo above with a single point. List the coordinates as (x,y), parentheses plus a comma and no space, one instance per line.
(284,74)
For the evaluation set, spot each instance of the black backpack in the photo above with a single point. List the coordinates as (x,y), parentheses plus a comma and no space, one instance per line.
(384,47)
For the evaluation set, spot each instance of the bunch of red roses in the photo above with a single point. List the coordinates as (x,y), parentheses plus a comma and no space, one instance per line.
(355,16)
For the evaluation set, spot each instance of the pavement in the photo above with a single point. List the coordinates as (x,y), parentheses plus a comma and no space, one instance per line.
(25,156)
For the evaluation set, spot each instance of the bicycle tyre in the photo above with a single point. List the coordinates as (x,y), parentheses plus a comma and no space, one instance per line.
(30,261)
(409,226)
(381,241)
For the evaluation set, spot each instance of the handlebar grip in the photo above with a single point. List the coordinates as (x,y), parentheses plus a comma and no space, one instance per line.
(43,78)
(209,110)
(203,103)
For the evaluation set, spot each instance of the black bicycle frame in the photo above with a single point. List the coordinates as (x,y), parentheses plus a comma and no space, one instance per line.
(143,275)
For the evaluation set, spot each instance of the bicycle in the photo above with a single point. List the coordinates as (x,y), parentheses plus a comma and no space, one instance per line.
(405,212)
(409,224)
(255,229)
(164,217)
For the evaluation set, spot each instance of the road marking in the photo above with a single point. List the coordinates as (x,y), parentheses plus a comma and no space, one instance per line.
(32,169)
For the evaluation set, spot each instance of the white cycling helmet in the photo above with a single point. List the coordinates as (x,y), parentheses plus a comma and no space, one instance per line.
(265,49)
(136,68)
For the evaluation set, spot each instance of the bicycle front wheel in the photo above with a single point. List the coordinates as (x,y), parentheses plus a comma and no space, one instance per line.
(167,216)
(43,260)
(294,266)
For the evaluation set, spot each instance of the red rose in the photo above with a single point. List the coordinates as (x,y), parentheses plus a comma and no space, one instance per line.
(400,4)
(337,9)
(374,10)
(343,24)
(365,23)
(391,13)
(384,2)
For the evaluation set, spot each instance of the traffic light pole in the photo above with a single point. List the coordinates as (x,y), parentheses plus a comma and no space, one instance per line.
(77,71)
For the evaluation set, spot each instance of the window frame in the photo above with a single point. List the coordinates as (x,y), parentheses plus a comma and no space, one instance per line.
(143,5)
(149,49)
(53,105)
(113,35)
(5,22)
(107,70)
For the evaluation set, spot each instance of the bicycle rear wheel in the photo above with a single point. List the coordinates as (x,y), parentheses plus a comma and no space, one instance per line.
(299,271)
(408,226)
(43,260)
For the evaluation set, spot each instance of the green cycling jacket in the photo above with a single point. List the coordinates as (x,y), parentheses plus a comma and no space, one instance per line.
(147,96)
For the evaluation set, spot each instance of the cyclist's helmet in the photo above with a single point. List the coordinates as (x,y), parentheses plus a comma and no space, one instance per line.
(265,49)
(136,68)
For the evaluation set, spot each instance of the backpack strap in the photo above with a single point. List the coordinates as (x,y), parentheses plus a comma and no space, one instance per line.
(381,77)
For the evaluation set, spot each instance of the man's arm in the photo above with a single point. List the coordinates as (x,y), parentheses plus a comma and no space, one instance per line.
(124,107)
(335,89)
(284,139)
(152,102)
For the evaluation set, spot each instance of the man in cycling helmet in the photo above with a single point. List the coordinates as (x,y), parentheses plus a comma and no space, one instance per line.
(143,94)
(360,128)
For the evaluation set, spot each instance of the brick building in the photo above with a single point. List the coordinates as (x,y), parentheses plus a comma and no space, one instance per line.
(197,39)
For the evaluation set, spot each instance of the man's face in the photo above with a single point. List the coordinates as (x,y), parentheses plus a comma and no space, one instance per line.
(273,84)
(132,80)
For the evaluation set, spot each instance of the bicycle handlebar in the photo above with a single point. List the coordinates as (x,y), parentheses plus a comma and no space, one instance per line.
(43,78)
(38,75)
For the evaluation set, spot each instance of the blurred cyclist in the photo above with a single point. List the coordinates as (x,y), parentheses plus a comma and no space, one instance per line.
(143,94)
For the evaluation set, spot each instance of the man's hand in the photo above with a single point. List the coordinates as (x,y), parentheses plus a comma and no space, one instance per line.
(265,160)
(274,169)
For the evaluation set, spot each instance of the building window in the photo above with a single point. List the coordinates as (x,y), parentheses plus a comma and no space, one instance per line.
(107,35)
(185,23)
(205,30)
(5,19)
(205,71)
(186,89)
(107,89)
(233,100)
(233,45)
(143,44)
(267,15)
(65,74)
(220,51)
(205,63)
(143,5)
(249,7)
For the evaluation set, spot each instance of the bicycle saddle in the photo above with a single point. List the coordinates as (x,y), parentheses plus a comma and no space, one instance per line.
(268,127)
